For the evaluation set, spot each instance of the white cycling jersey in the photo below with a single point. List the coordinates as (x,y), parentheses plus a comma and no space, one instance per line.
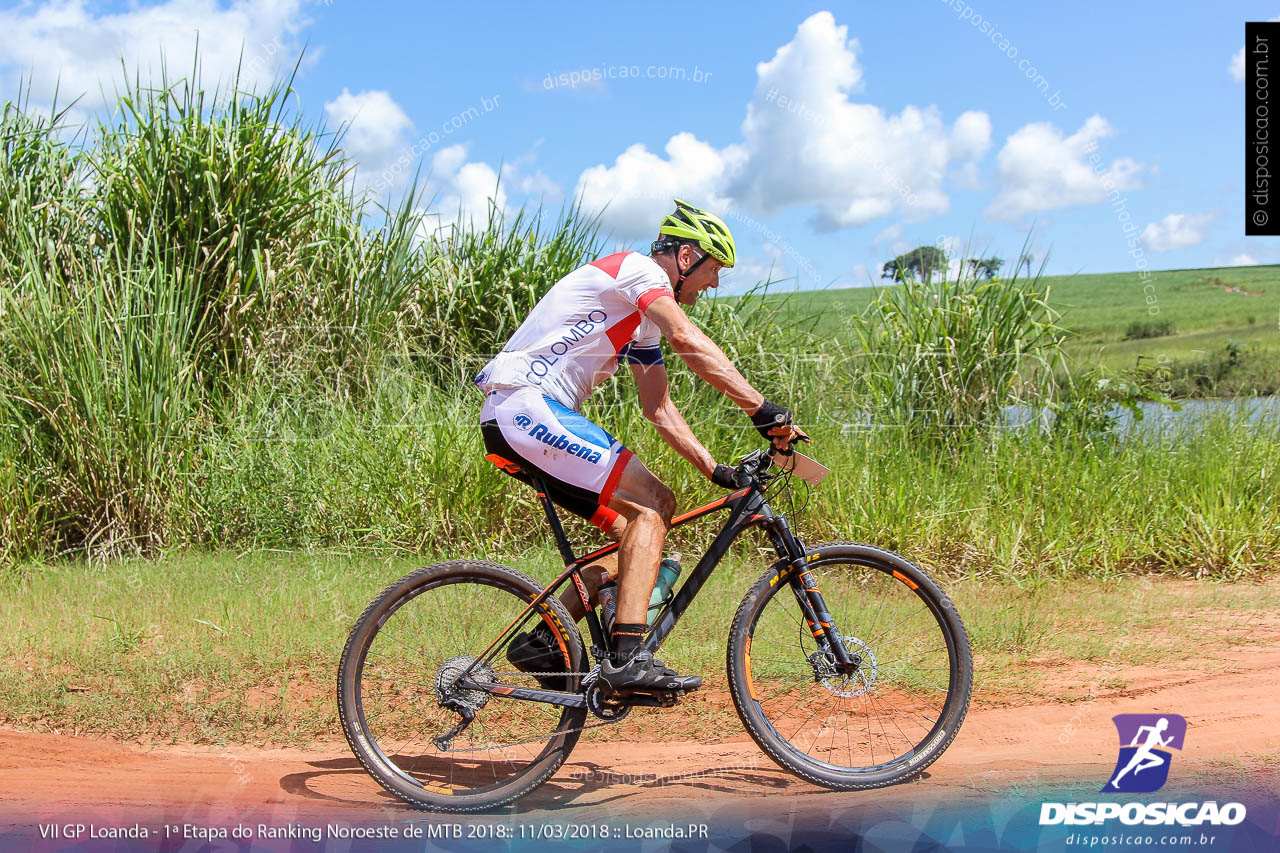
(580,330)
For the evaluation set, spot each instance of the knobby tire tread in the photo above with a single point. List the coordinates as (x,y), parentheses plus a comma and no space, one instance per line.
(773,744)
(350,726)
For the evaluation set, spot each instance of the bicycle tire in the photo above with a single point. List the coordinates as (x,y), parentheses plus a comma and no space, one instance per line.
(434,794)
(787,750)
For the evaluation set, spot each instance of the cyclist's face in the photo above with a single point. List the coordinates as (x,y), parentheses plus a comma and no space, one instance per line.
(706,275)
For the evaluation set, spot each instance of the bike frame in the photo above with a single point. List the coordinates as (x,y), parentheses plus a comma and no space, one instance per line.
(747,507)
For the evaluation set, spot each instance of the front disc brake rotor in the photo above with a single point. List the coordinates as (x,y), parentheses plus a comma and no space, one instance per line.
(827,673)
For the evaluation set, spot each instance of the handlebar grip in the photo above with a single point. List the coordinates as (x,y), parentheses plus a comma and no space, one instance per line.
(773,449)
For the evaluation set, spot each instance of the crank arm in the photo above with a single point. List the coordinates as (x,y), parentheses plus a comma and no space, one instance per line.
(647,700)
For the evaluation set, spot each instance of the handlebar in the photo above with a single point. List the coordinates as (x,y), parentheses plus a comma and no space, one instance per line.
(757,462)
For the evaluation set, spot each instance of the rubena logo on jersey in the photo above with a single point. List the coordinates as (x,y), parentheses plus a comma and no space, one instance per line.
(522,421)
(1141,768)
(560,442)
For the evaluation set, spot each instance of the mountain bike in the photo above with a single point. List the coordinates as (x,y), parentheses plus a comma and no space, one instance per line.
(847,663)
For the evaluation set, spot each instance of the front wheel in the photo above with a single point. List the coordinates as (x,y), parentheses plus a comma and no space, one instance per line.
(881,724)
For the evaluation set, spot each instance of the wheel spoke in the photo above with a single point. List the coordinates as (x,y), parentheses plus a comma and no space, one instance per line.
(883,711)
(436,627)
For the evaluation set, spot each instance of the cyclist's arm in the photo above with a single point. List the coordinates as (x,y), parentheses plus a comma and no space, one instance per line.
(702,355)
(651,381)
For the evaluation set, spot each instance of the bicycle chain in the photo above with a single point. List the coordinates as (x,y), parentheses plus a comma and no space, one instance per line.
(540,737)
(535,739)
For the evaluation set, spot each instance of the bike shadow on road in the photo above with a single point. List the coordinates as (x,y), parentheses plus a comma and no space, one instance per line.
(581,784)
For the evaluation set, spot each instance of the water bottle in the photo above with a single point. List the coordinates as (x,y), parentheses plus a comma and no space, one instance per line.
(608,597)
(668,573)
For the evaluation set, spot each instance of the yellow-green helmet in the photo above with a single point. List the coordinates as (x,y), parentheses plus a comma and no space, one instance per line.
(706,229)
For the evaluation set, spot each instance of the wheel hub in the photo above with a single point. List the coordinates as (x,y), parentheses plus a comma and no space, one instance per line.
(448,691)
(842,681)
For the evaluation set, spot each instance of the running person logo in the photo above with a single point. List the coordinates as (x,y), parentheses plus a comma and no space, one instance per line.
(1145,744)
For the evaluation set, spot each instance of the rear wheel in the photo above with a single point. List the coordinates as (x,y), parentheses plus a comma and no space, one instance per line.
(398,692)
(881,724)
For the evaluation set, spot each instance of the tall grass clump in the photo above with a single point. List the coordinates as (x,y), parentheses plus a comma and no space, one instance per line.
(196,262)
(943,358)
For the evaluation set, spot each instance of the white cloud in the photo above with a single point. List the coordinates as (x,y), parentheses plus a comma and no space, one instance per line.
(461,191)
(1176,231)
(893,232)
(804,144)
(1236,66)
(637,189)
(971,136)
(1041,169)
(68,46)
(377,133)
(1243,260)
(516,175)
(380,138)
(850,161)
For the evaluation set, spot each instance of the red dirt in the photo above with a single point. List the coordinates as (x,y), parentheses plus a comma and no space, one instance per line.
(1233,738)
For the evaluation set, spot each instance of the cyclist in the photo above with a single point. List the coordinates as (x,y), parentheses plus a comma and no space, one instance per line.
(613,310)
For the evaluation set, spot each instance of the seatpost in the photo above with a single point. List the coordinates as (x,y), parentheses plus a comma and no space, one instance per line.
(562,541)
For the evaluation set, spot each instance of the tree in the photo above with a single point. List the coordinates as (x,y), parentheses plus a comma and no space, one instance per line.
(987,268)
(920,261)
(1024,261)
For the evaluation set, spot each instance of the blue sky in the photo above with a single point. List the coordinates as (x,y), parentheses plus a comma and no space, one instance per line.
(831,136)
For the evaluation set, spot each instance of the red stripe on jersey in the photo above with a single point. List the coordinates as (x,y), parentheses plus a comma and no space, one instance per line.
(604,518)
(647,298)
(620,332)
(611,264)
(611,484)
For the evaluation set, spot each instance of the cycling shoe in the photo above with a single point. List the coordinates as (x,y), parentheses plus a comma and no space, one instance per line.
(645,674)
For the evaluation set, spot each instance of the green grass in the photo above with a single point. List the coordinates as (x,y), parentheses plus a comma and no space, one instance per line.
(242,648)
(202,259)
(1098,309)
(207,341)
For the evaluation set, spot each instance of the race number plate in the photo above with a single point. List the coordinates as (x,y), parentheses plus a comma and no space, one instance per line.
(809,470)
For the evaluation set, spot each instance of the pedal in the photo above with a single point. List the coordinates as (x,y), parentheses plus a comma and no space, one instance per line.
(665,699)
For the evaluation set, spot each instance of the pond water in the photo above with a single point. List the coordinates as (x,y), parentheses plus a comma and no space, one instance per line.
(1157,417)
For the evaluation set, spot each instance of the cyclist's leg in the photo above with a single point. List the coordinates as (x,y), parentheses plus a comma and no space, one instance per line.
(593,575)
(646,505)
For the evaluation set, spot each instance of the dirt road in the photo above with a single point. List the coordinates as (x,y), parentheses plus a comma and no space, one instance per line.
(1233,739)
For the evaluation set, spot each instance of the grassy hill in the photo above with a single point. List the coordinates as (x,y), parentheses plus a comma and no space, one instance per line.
(1201,313)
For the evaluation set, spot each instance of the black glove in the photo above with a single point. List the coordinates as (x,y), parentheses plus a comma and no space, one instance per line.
(770,416)
(723,477)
